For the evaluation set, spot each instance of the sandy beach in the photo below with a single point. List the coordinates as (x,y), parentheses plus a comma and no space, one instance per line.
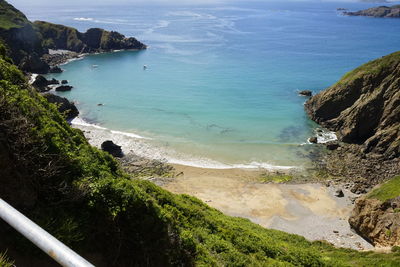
(310,210)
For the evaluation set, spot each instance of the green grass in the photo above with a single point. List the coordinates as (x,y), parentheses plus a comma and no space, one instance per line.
(371,68)
(86,200)
(388,190)
(276,178)
(10,17)
(5,261)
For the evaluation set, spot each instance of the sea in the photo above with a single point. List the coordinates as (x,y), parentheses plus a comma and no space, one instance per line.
(221,85)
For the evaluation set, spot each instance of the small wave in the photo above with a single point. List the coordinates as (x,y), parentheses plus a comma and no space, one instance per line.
(83,19)
(326,137)
(135,144)
(33,78)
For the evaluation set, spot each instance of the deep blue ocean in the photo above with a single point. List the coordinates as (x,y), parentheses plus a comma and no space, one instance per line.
(221,84)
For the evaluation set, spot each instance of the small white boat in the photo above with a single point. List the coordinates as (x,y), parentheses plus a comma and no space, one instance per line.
(95,66)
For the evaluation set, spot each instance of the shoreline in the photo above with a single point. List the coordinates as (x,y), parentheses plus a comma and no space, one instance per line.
(308,209)
(238,191)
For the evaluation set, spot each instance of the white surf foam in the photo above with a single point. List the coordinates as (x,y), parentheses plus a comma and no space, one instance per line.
(83,19)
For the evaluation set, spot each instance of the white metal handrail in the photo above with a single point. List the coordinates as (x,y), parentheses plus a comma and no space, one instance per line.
(46,242)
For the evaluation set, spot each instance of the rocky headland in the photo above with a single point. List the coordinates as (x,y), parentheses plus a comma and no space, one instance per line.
(377,12)
(363,108)
(30,43)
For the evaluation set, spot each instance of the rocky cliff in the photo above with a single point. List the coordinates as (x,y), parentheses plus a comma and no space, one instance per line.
(377,216)
(56,36)
(378,12)
(364,107)
(28,42)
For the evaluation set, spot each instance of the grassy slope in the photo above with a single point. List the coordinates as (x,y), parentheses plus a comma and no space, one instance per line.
(162,227)
(10,17)
(372,67)
(386,191)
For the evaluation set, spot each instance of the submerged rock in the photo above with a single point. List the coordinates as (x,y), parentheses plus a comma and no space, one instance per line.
(64,88)
(113,149)
(64,82)
(64,105)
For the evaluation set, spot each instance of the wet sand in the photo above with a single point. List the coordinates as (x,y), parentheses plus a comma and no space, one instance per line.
(310,210)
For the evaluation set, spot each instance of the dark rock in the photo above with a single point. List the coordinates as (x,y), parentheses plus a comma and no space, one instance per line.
(55,69)
(313,140)
(378,12)
(113,149)
(64,82)
(305,93)
(64,105)
(336,231)
(53,81)
(40,82)
(64,88)
(364,107)
(33,63)
(339,193)
(332,145)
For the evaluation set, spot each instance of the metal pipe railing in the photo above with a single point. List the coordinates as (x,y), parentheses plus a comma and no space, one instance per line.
(42,239)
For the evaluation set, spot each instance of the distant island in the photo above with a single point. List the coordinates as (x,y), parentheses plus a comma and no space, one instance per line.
(377,12)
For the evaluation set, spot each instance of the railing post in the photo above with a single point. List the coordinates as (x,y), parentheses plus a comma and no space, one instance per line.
(42,239)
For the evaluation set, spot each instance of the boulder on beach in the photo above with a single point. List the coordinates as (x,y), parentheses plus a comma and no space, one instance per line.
(113,149)
(313,140)
(305,93)
(64,105)
(64,88)
(339,193)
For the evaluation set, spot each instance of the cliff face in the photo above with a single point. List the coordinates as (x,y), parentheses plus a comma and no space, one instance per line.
(377,215)
(24,42)
(377,221)
(28,42)
(378,12)
(93,40)
(364,107)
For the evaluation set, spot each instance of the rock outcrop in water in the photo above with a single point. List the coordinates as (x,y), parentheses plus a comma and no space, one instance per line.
(57,36)
(377,12)
(29,43)
(364,107)
(64,106)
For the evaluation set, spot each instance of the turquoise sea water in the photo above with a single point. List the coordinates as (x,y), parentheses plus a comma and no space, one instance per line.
(220,88)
